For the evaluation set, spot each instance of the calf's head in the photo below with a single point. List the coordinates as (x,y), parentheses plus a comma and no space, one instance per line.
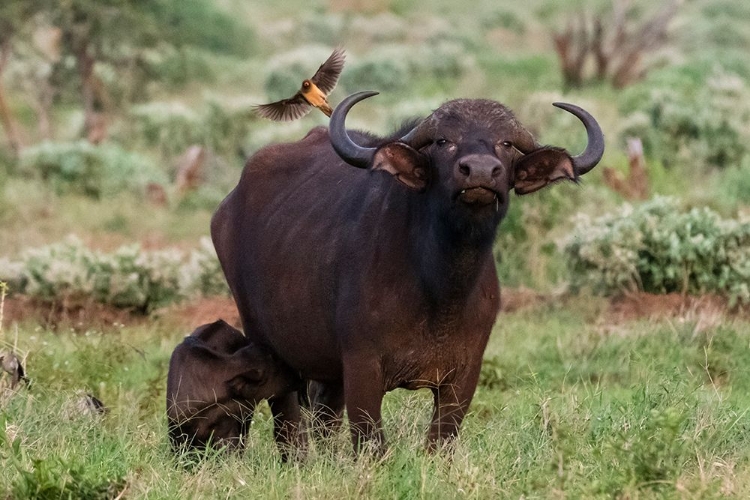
(468,155)
(216,377)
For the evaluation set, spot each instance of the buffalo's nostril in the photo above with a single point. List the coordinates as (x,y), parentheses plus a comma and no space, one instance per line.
(464,169)
(497,171)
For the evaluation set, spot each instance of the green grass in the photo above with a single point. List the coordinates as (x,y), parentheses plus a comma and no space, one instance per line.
(568,406)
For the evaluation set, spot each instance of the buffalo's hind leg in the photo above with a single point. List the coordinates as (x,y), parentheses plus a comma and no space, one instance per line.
(287,427)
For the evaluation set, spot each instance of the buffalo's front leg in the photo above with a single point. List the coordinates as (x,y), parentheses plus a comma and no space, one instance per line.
(327,401)
(287,426)
(451,404)
(363,391)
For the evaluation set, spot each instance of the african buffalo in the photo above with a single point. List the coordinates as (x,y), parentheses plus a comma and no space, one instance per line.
(216,377)
(367,279)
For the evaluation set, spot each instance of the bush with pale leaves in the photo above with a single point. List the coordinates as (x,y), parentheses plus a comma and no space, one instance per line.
(658,247)
(130,277)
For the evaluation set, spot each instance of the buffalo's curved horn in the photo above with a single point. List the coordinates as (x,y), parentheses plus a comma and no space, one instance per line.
(595,147)
(351,153)
(420,135)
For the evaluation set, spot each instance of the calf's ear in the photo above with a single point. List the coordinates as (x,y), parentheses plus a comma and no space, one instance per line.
(403,162)
(247,383)
(541,168)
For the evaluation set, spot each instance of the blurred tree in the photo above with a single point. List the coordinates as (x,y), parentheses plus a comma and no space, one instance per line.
(96,31)
(14,15)
(101,46)
(32,72)
(9,124)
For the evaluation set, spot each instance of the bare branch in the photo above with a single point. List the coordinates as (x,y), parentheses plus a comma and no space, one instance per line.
(618,51)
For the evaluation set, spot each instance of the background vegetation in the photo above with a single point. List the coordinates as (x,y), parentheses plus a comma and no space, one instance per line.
(102,100)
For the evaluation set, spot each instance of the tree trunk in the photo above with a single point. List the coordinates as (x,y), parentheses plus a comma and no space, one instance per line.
(43,108)
(564,47)
(94,121)
(6,117)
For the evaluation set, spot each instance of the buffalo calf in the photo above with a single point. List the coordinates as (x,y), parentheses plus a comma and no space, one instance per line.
(216,377)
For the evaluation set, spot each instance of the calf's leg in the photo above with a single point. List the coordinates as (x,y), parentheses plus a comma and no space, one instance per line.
(327,402)
(287,426)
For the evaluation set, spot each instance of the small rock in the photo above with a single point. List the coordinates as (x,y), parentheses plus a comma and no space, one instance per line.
(12,365)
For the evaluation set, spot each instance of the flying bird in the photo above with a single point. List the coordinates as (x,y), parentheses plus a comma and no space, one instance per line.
(313,93)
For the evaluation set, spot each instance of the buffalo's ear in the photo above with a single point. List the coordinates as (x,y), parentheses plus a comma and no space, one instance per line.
(541,168)
(404,163)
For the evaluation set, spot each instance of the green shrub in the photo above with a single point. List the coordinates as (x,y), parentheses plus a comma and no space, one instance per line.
(202,272)
(684,117)
(505,19)
(384,27)
(201,24)
(171,127)
(525,249)
(727,9)
(205,197)
(734,184)
(396,67)
(226,123)
(178,67)
(320,27)
(721,27)
(512,76)
(7,164)
(94,170)
(142,280)
(384,69)
(128,278)
(657,247)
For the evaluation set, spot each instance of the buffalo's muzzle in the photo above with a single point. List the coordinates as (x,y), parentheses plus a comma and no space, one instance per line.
(478,196)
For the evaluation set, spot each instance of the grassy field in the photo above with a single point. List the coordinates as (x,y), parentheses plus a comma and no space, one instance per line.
(572,404)
(575,400)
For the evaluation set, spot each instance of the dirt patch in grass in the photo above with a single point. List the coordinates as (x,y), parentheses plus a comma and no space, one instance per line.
(82,316)
(653,306)
(188,315)
(79,316)
(515,299)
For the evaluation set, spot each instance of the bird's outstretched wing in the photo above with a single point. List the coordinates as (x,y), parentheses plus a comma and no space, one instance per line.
(284,110)
(328,73)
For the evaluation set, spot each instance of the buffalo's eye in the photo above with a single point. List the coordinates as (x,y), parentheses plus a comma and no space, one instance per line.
(503,147)
(441,142)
